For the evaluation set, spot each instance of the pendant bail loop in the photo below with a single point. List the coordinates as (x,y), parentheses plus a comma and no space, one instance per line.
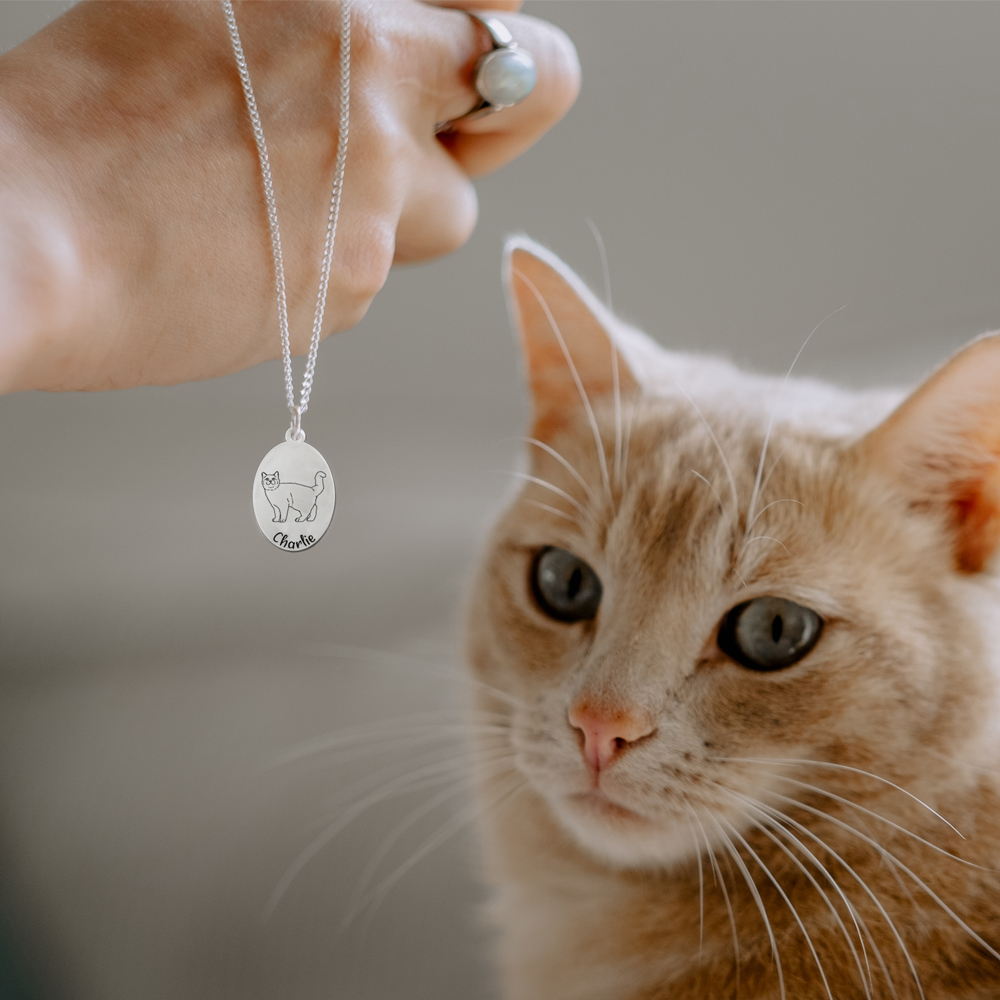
(295,432)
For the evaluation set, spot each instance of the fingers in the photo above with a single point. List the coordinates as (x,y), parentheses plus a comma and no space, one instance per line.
(440,209)
(421,58)
(485,144)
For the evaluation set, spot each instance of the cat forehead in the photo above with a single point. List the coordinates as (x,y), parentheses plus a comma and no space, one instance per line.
(719,388)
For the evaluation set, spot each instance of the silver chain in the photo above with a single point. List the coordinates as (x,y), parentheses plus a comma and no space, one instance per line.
(272,209)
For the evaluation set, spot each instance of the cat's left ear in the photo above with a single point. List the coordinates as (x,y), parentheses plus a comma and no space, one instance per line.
(942,445)
(565,335)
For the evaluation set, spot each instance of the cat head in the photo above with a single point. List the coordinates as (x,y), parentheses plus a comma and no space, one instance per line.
(270,482)
(710,574)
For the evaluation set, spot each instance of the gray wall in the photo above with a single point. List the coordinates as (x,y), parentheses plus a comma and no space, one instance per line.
(752,167)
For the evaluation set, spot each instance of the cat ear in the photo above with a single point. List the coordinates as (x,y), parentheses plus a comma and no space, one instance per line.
(942,445)
(565,336)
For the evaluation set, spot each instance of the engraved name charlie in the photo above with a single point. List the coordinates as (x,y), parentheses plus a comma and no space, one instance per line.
(284,542)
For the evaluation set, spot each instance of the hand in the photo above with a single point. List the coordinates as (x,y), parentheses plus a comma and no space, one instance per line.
(133,233)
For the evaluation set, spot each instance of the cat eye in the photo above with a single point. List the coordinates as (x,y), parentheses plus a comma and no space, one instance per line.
(769,633)
(565,587)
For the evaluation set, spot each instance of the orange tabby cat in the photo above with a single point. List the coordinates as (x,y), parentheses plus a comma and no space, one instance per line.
(743,644)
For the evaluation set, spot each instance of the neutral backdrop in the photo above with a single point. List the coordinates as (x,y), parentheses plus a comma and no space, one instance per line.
(752,167)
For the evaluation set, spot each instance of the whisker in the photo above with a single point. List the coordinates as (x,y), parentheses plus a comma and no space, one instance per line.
(599,444)
(711,486)
(731,848)
(446,831)
(551,510)
(385,743)
(424,777)
(757,516)
(549,450)
(599,240)
(548,486)
(701,886)
(718,447)
(721,882)
(852,911)
(774,411)
(615,374)
(762,827)
(437,760)
(405,662)
(780,818)
(390,730)
(766,538)
(781,892)
(628,441)
(371,867)
(874,815)
(886,853)
(794,762)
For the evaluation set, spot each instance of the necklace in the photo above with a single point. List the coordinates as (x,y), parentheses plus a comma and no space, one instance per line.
(293,478)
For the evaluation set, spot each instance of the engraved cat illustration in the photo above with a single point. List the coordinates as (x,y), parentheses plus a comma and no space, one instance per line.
(286,497)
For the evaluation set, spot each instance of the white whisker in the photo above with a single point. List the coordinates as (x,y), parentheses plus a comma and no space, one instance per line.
(371,867)
(406,663)
(711,486)
(731,848)
(774,411)
(795,762)
(874,815)
(765,538)
(781,892)
(721,882)
(421,724)
(782,817)
(414,781)
(760,825)
(598,443)
(888,854)
(551,510)
(549,450)
(548,486)
(718,447)
(757,516)
(628,441)
(446,831)
(615,373)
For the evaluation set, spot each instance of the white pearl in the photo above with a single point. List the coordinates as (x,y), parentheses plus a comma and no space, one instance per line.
(506,77)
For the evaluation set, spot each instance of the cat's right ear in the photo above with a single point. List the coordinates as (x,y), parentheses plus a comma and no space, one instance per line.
(568,349)
(942,447)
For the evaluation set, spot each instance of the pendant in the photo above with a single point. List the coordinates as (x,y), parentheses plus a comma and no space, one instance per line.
(293,495)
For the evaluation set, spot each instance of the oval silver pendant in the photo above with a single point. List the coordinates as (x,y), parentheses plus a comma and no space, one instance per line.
(293,496)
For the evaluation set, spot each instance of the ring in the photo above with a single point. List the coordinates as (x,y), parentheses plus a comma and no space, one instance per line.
(503,77)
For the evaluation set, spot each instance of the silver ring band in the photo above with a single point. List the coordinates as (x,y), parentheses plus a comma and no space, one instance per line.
(503,76)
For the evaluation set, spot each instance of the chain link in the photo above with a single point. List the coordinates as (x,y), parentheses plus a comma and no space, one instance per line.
(272,209)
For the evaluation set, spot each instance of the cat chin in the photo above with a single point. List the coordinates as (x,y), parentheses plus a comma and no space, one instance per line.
(620,837)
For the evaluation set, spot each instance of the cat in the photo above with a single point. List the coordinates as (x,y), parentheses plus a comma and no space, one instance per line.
(286,497)
(740,640)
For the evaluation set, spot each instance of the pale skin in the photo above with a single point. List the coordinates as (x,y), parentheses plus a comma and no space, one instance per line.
(133,233)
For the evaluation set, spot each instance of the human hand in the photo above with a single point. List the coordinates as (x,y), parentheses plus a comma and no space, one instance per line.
(133,233)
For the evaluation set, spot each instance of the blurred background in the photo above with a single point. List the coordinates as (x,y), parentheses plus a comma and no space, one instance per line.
(752,167)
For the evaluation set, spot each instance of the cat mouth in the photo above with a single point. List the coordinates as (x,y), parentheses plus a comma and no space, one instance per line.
(596,803)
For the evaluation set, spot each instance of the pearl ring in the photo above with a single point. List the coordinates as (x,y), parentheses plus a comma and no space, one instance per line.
(503,77)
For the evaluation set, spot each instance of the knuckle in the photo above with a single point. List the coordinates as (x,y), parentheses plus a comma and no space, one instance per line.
(368,268)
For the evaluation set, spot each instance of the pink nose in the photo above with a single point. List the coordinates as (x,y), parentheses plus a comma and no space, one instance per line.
(606,735)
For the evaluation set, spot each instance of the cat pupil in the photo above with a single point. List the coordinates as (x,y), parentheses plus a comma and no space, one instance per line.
(565,587)
(769,633)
